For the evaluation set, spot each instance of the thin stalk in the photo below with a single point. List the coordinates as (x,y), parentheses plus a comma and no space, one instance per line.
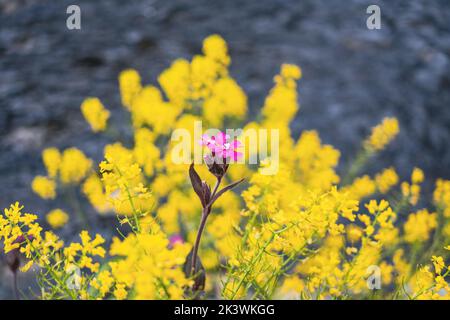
(197,240)
(250,266)
(361,159)
(130,199)
(205,213)
(76,206)
(51,271)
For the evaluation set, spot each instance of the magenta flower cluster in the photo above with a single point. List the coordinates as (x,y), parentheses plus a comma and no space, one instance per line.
(222,147)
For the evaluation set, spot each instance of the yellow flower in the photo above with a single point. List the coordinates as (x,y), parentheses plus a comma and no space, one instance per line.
(417,176)
(103,282)
(292,287)
(130,86)
(316,162)
(175,83)
(374,208)
(123,182)
(95,114)
(74,166)
(26,266)
(227,100)
(291,71)
(419,226)
(386,180)
(84,253)
(281,104)
(146,261)
(149,108)
(120,293)
(441,196)
(361,187)
(354,233)
(52,161)
(215,48)
(412,191)
(94,191)
(382,134)
(57,218)
(44,187)
(438,263)
(386,272)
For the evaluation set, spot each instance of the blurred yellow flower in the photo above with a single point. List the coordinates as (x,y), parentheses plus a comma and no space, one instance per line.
(382,134)
(130,86)
(52,161)
(44,187)
(95,114)
(74,166)
(57,218)
(386,180)
(419,226)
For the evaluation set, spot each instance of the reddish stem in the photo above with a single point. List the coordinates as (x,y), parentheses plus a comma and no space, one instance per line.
(205,213)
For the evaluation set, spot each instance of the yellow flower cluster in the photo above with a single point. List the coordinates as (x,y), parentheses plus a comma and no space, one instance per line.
(316,162)
(123,182)
(281,105)
(130,86)
(74,166)
(441,196)
(93,189)
(291,229)
(365,186)
(305,232)
(95,114)
(21,231)
(200,85)
(382,134)
(82,253)
(52,161)
(386,180)
(57,218)
(340,266)
(44,187)
(419,226)
(429,285)
(411,191)
(146,264)
(68,167)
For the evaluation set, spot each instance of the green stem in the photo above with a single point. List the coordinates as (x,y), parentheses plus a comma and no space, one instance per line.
(250,266)
(50,270)
(356,166)
(76,206)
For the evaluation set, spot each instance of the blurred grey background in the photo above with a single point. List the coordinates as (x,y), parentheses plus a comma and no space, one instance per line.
(352,76)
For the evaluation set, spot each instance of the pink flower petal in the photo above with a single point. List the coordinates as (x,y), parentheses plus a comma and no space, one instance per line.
(237,155)
(236,144)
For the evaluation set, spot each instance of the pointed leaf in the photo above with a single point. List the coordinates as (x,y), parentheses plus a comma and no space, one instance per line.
(196,183)
(198,274)
(225,189)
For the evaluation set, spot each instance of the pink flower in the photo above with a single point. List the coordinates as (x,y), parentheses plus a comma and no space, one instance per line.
(175,239)
(222,147)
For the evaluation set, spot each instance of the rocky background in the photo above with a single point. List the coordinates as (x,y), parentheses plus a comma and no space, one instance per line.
(352,76)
